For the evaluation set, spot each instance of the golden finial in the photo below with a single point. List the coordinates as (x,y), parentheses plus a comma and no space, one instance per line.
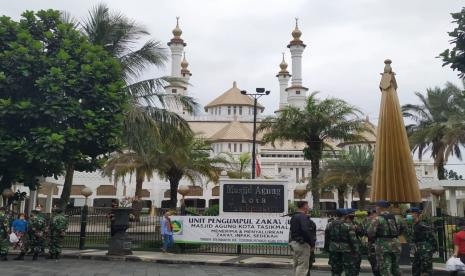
(184,62)
(296,33)
(283,65)
(177,31)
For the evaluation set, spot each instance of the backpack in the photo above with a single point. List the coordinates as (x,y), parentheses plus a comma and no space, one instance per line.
(390,229)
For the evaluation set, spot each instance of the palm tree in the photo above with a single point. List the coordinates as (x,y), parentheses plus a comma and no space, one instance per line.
(191,159)
(120,35)
(351,169)
(438,124)
(316,124)
(239,164)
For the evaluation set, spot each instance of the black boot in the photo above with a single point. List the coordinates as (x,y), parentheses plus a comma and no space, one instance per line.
(20,257)
(35,256)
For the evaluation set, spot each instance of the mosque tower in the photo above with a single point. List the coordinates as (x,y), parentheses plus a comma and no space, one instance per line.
(296,93)
(283,78)
(177,45)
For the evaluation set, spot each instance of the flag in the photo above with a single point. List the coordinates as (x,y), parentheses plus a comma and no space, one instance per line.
(258,169)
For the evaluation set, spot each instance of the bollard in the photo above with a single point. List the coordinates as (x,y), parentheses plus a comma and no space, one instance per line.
(82,233)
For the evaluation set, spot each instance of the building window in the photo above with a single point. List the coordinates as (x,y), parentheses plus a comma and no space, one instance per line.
(240,110)
(250,111)
(234,110)
(229,146)
(279,170)
(303,172)
(297,92)
(296,174)
(240,147)
(219,110)
(235,147)
(174,91)
(229,110)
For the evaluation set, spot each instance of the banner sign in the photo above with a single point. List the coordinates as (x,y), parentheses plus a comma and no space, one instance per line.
(253,198)
(238,230)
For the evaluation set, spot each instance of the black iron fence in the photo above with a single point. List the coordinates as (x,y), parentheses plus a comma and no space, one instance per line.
(145,235)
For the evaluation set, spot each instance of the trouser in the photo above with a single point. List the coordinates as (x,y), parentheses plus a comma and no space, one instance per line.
(347,262)
(4,244)
(56,242)
(372,259)
(388,263)
(301,258)
(167,241)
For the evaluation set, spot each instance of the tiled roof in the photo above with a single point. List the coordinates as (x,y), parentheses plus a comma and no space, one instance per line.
(233,97)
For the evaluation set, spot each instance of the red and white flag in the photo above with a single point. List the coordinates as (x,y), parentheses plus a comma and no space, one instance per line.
(258,169)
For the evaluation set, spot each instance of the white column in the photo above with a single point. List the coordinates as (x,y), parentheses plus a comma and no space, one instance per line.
(176,56)
(349,198)
(296,55)
(48,202)
(32,199)
(460,207)
(434,203)
(452,202)
(283,83)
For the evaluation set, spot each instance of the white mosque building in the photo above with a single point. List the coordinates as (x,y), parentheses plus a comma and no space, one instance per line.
(227,123)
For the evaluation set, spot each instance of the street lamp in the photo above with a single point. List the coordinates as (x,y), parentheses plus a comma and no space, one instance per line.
(86,192)
(259,92)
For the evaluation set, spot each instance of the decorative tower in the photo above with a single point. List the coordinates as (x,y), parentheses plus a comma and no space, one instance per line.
(176,45)
(283,78)
(185,73)
(296,93)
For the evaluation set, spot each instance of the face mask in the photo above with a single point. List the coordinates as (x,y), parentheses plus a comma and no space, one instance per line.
(409,217)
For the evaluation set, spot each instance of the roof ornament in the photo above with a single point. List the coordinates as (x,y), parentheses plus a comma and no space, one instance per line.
(177,31)
(296,33)
(283,65)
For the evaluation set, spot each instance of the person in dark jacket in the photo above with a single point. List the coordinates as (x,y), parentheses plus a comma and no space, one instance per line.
(302,238)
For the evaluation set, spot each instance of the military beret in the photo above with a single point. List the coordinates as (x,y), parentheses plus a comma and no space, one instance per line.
(383,204)
(414,210)
(341,212)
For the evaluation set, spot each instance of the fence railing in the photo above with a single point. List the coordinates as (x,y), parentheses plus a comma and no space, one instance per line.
(145,235)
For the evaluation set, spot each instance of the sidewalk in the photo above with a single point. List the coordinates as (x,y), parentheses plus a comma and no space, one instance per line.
(219,260)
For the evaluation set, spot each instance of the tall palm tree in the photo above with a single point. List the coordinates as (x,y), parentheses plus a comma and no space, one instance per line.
(316,124)
(438,125)
(351,169)
(189,159)
(120,36)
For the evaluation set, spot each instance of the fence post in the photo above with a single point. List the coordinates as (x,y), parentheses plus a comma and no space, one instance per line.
(238,249)
(82,233)
(442,248)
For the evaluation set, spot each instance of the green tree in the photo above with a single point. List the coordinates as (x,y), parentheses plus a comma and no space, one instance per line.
(146,113)
(455,57)
(316,124)
(239,164)
(351,169)
(61,99)
(438,125)
(189,158)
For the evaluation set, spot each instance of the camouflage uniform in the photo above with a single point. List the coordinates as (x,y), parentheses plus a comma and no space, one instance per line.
(58,226)
(4,238)
(343,246)
(424,245)
(384,230)
(36,233)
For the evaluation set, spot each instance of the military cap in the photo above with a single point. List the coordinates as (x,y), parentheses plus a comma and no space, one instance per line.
(341,212)
(414,210)
(383,204)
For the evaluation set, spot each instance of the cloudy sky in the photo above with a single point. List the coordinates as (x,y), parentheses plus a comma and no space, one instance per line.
(347,42)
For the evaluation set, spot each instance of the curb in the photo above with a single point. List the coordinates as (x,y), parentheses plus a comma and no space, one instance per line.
(132,258)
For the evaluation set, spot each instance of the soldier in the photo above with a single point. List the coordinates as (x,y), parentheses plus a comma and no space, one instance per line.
(424,245)
(36,235)
(356,255)
(58,227)
(342,245)
(371,254)
(385,230)
(4,238)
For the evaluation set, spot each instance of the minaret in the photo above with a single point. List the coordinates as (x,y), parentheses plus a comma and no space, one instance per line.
(296,93)
(185,73)
(283,78)
(177,47)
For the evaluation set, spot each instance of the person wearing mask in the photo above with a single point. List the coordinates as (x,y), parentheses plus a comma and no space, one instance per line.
(19,227)
(166,232)
(459,245)
(302,239)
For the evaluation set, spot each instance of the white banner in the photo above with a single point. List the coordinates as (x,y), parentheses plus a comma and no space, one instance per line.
(257,230)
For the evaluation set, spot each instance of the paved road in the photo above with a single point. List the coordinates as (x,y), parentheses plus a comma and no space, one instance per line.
(70,267)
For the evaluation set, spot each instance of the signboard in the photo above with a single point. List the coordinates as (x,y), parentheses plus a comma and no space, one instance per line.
(238,230)
(245,196)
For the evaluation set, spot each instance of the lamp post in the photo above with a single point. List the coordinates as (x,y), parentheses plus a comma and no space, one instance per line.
(259,92)
(86,192)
